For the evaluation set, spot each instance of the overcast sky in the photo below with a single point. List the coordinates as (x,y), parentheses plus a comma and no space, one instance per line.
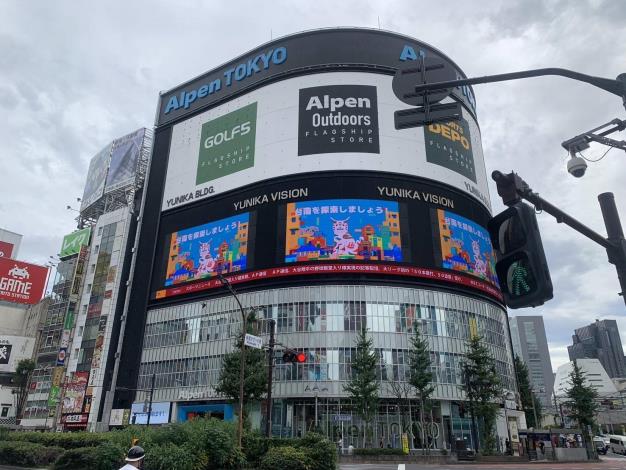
(76,75)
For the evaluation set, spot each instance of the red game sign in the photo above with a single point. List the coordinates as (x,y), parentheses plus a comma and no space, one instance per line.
(21,282)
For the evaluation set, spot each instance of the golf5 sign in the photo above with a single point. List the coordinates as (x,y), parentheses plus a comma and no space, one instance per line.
(21,282)
(227,144)
(73,242)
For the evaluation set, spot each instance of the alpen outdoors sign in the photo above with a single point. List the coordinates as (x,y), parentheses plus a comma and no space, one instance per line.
(73,242)
(21,282)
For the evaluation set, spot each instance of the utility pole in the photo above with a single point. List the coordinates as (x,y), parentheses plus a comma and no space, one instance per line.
(150,402)
(270,377)
(532,399)
(242,364)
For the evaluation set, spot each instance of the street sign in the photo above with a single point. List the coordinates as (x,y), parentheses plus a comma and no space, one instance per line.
(337,418)
(414,117)
(427,70)
(253,341)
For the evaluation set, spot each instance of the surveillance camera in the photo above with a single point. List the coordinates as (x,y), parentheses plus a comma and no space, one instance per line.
(576,166)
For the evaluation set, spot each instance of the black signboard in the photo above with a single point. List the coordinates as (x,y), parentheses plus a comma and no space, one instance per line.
(325,50)
(338,118)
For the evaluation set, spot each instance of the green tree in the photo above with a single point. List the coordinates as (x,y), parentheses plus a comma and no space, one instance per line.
(420,377)
(363,384)
(255,383)
(581,399)
(527,395)
(483,389)
(21,377)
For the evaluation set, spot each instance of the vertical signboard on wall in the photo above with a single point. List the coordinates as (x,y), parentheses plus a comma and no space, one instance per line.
(74,241)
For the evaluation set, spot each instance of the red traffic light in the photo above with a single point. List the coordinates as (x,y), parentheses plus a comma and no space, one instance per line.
(291,356)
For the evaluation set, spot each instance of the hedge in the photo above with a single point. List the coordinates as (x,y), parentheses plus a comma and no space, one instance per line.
(377,451)
(201,444)
(285,458)
(67,440)
(103,457)
(28,454)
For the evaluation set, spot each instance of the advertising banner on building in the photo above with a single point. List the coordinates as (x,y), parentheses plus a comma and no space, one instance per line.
(96,177)
(5,352)
(160,413)
(74,241)
(61,356)
(203,251)
(465,246)
(21,282)
(9,243)
(125,153)
(314,123)
(343,229)
(75,393)
(6,249)
(53,396)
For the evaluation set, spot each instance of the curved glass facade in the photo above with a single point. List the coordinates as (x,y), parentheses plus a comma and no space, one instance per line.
(322,321)
(184,344)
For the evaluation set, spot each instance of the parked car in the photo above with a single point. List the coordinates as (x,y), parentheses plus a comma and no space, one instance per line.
(618,444)
(600,445)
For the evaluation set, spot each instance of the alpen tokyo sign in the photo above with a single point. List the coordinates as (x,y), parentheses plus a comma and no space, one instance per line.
(21,282)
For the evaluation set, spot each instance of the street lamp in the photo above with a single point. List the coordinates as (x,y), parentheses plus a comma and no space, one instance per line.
(316,390)
(226,283)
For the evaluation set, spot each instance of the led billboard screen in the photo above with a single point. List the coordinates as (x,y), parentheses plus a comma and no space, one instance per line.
(202,251)
(465,246)
(343,229)
(159,414)
(316,225)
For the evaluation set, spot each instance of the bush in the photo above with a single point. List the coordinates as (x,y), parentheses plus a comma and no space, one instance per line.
(255,446)
(218,439)
(377,451)
(27,454)
(167,457)
(104,457)
(320,451)
(285,458)
(76,459)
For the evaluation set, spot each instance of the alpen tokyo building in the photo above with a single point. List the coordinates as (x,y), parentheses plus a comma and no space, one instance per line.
(283,170)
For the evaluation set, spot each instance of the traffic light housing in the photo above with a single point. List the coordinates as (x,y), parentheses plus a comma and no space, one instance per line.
(294,357)
(521,263)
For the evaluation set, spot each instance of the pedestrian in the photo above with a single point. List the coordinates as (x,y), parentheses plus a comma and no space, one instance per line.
(339,444)
(381,444)
(134,458)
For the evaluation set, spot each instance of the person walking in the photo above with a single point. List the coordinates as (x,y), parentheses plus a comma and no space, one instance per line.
(134,458)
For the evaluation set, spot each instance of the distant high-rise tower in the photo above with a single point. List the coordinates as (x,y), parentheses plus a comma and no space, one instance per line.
(528,335)
(600,340)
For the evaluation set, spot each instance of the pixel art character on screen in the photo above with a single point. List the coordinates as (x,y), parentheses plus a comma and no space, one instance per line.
(336,229)
(203,251)
(466,247)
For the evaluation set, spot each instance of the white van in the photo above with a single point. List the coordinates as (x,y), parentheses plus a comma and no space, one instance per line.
(617,444)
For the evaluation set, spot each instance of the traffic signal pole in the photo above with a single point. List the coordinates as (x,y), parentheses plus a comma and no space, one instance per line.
(512,188)
(270,377)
